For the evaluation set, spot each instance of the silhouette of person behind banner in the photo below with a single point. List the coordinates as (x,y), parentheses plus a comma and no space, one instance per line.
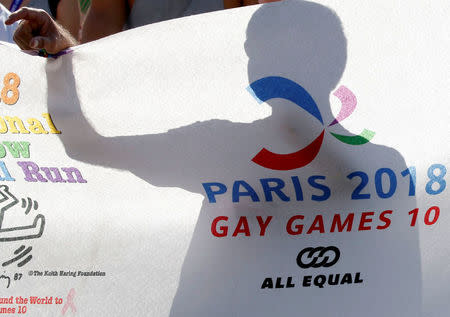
(303,42)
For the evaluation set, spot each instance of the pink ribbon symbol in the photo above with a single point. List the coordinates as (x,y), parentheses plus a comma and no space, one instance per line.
(348,101)
(69,302)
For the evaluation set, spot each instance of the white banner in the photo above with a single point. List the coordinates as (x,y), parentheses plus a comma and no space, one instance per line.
(276,160)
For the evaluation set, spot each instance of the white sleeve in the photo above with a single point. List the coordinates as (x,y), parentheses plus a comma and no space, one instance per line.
(6,31)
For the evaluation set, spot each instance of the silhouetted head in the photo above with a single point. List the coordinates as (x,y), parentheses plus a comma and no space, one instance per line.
(299,40)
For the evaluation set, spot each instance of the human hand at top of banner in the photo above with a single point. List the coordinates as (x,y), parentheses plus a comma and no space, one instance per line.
(228,4)
(38,30)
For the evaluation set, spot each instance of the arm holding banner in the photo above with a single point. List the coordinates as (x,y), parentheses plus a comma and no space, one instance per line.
(39,31)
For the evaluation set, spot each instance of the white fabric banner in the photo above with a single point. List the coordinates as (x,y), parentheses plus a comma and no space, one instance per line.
(276,160)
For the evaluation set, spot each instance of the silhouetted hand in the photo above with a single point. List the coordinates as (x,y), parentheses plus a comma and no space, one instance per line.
(39,31)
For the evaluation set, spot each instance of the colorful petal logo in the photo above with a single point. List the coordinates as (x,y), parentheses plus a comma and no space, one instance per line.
(268,88)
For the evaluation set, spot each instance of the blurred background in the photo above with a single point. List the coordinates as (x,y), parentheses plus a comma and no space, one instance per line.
(88,20)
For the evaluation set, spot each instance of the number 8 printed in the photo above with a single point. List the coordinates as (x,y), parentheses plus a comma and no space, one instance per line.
(10,83)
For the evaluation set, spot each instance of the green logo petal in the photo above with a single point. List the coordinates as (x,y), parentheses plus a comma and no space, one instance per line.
(363,138)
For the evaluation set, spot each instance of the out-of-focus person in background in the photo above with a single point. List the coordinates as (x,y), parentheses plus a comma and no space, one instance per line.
(106,17)
(228,4)
(66,12)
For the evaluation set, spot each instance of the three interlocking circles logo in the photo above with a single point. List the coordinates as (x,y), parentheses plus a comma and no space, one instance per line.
(318,257)
(271,87)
